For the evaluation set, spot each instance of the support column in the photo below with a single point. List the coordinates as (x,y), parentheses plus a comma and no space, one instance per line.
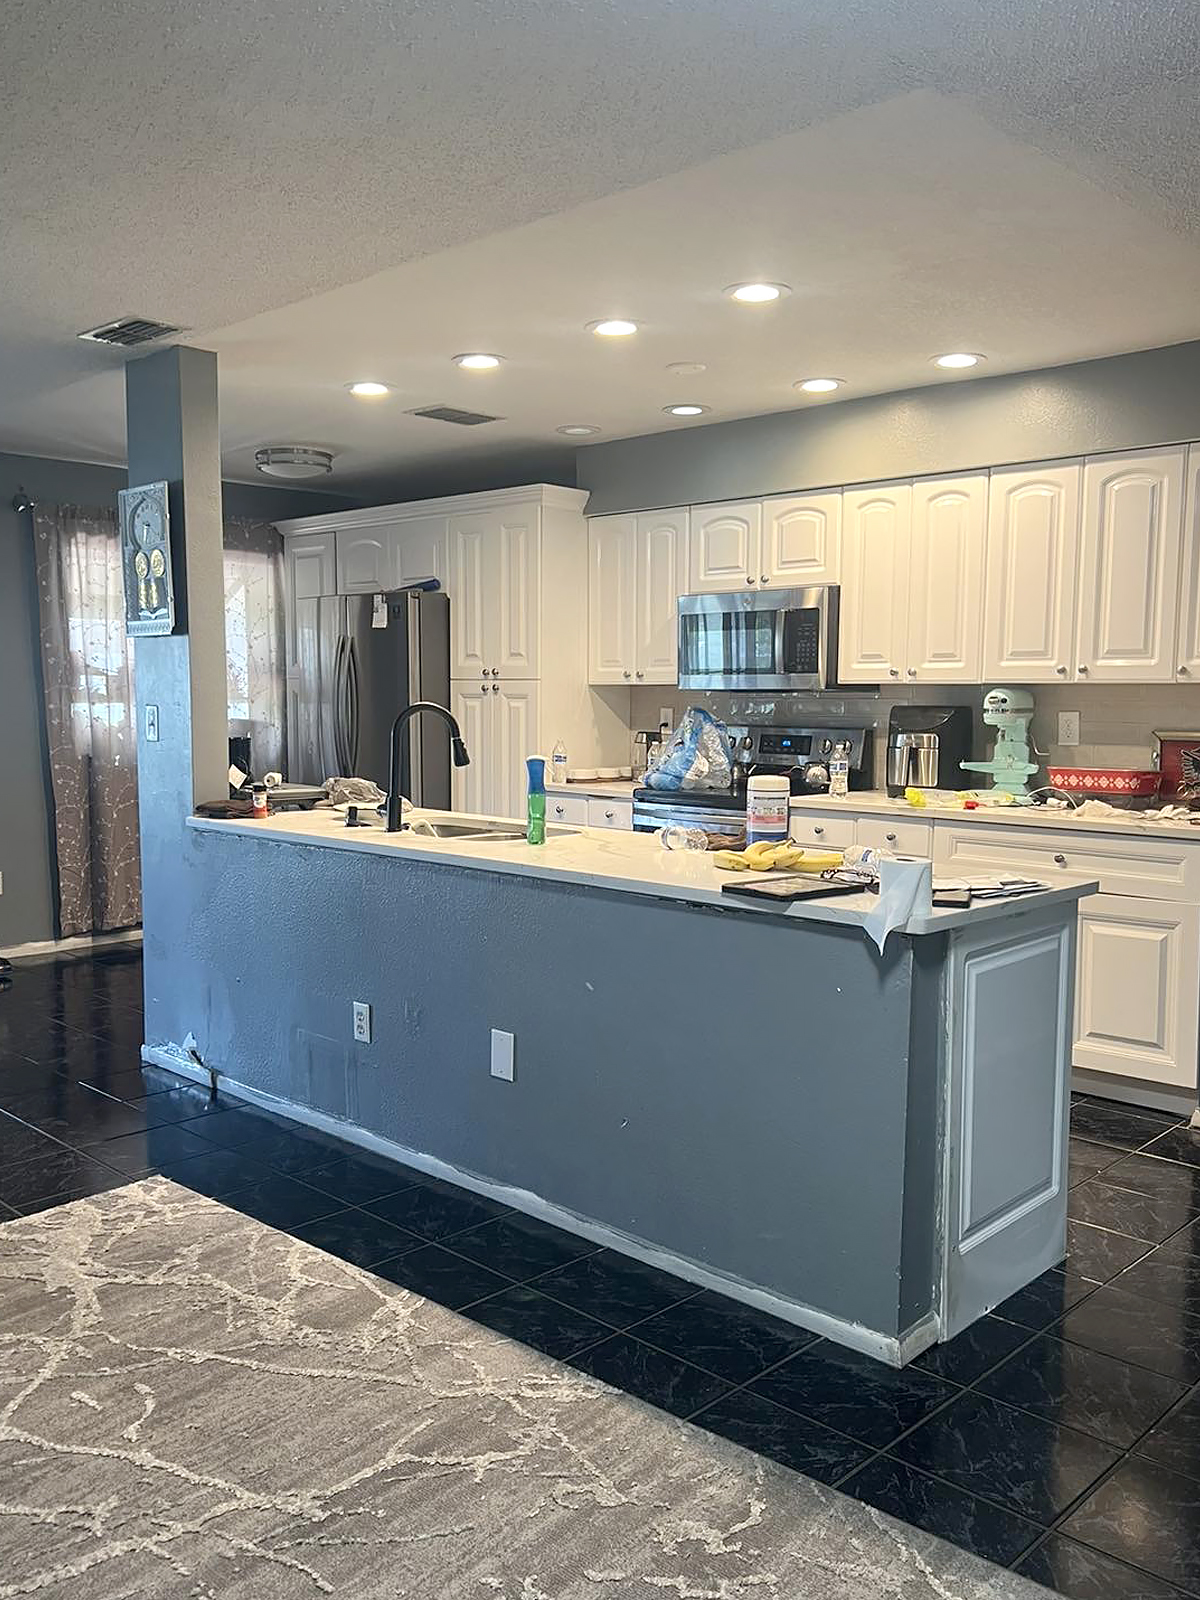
(171,426)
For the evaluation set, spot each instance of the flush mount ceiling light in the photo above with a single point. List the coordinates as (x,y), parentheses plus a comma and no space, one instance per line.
(685,410)
(477,361)
(686,369)
(819,385)
(368,389)
(956,360)
(293,461)
(577,430)
(757,294)
(612,328)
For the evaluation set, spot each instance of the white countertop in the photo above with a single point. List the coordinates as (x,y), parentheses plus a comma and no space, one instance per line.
(602,858)
(872,802)
(601,788)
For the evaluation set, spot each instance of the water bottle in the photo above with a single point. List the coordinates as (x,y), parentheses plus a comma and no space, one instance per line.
(839,771)
(558,763)
(679,836)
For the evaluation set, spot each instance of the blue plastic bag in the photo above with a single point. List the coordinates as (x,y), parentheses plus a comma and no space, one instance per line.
(696,756)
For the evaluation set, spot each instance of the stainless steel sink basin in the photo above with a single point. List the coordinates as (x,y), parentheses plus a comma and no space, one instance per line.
(427,828)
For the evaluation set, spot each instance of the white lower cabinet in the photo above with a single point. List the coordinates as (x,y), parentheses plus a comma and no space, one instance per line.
(567,808)
(499,723)
(602,813)
(1137,996)
(807,827)
(904,838)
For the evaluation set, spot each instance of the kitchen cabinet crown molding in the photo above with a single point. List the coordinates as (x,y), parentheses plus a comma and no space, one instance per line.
(551,495)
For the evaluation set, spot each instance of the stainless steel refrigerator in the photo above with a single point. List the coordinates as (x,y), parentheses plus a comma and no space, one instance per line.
(361,658)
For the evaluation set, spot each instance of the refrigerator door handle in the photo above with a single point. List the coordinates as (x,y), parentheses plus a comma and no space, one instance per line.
(336,701)
(352,707)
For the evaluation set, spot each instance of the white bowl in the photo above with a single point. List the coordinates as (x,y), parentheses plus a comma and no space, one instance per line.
(608,773)
(584,775)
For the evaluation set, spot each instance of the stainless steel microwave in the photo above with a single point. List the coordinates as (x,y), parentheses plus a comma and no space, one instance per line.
(768,639)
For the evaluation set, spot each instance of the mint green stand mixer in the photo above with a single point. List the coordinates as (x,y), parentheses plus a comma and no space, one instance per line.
(1009,711)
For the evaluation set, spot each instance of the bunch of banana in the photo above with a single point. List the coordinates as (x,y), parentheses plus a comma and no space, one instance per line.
(766,856)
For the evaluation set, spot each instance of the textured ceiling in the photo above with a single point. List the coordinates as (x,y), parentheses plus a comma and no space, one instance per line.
(210,163)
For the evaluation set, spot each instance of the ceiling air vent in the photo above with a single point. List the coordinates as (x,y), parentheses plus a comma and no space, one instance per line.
(129,331)
(461,419)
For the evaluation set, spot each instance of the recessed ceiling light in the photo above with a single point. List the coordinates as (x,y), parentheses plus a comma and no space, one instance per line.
(576,430)
(367,389)
(685,411)
(957,359)
(757,294)
(477,361)
(293,461)
(686,369)
(818,385)
(612,328)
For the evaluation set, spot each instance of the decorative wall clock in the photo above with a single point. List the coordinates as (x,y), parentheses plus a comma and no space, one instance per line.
(146,560)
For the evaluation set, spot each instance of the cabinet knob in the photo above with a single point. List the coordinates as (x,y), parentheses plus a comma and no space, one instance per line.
(1062,671)
(893,672)
(1083,669)
(890,837)
(1183,671)
(495,672)
(610,815)
(626,673)
(912,671)
(1060,859)
(495,688)
(558,811)
(640,674)
(749,580)
(485,672)
(764,579)
(818,829)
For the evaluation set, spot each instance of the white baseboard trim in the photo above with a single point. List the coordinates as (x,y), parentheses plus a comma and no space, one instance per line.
(894,1351)
(1133,1092)
(77,944)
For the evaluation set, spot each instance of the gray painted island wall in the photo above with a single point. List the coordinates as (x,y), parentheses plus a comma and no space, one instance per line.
(1122,402)
(729,1087)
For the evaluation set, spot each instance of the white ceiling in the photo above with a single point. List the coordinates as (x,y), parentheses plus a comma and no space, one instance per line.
(363,190)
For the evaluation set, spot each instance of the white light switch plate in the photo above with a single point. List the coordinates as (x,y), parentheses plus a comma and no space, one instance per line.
(152,724)
(1068,727)
(502,1054)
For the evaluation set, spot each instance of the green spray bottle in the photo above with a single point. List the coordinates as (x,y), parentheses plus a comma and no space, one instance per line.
(535,814)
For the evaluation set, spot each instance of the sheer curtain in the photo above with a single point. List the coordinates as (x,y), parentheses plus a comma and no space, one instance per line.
(87,669)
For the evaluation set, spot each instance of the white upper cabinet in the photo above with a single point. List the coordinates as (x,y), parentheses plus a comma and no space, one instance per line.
(363,560)
(1032,560)
(1129,566)
(311,563)
(876,540)
(637,571)
(801,540)
(513,575)
(612,598)
(418,551)
(726,547)
(1188,665)
(662,544)
(472,607)
(945,584)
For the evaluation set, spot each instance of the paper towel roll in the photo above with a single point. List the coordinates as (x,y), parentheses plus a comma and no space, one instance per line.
(905,891)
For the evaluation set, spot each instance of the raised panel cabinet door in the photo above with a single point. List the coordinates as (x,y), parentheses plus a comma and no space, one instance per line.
(310,571)
(1032,563)
(802,539)
(515,734)
(876,535)
(1129,571)
(662,538)
(518,592)
(726,545)
(472,596)
(945,590)
(363,560)
(612,598)
(1137,997)
(473,786)
(418,551)
(1187,669)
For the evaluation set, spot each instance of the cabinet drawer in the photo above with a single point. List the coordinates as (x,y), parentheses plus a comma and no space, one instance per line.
(905,838)
(1154,869)
(809,827)
(610,814)
(567,808)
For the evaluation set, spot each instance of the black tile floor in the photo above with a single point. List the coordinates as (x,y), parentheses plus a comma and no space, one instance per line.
(1060,1436)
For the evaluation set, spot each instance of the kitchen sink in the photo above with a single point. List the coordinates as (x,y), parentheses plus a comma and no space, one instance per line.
(426,828)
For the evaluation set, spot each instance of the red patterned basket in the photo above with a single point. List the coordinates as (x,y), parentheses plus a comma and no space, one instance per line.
(1103,783)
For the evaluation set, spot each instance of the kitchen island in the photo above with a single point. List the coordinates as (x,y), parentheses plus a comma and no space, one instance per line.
(870,1145)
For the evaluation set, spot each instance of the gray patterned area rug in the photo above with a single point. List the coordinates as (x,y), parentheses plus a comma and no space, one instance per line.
(194,1405)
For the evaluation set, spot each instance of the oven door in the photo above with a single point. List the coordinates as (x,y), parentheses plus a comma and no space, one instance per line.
(775,639)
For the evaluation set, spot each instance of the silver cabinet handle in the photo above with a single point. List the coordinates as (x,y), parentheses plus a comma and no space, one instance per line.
(495,688)
(558,811)
(764,579)
(485,672)
(818,830)
(893,672)
(1083,669)
(1061,859)
(495,672)
(1062,671)
(749,580)
(609,815)
(912,672)
(1183,671)
(890,837)
(626,673)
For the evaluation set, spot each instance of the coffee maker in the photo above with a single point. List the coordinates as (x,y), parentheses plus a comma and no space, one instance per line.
(926,745)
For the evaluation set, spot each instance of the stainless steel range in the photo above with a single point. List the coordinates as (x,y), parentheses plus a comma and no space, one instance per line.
(802,754)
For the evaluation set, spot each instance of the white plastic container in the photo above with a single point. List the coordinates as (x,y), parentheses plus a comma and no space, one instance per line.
(559,771)
(767,799)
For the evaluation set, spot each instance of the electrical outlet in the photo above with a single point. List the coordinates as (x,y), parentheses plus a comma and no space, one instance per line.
(502,1054)
(362,1022)
(1068,727)
(152,724)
